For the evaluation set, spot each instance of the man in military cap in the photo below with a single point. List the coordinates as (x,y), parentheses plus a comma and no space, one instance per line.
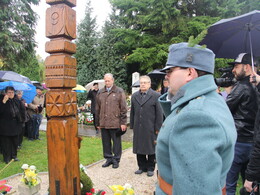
(195,146)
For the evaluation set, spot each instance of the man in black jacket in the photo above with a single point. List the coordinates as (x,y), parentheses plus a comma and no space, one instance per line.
(253,168)
(242,103)
(92,96)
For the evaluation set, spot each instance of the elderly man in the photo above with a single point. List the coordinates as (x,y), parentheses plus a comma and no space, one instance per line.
(145,119)
(195,146)
(242,102)
(111,110)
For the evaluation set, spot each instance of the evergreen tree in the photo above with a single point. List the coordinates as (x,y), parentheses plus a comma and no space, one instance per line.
(17,24)
(86,50)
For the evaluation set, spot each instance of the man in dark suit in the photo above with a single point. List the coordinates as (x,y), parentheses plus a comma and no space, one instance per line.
(145,119)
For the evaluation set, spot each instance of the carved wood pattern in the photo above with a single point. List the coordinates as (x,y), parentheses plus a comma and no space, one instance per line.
(61,101)
(62,21)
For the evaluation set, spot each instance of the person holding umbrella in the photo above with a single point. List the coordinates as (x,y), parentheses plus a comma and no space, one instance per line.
(253,167)
(92,96)
(242,103)
(12,117)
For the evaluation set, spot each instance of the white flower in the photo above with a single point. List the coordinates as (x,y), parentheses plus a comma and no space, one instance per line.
(32,167)
(127,186)
(25,166)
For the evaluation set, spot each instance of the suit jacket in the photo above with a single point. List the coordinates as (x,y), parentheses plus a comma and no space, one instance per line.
(145,118)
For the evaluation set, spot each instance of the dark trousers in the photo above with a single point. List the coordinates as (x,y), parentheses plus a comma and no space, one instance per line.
(111,151)
(242,155)
(36,122)
(146,162)
(20,136)
(29,129)
(94,121)
(9,146)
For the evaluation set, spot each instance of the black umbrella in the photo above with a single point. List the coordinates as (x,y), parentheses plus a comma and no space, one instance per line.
(229,37)
(136,84)
(156,74)
(13,76)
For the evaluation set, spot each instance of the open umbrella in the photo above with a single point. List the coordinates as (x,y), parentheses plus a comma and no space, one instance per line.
(29,90)
(79,88)
(156,74)
(229,37)
(101,84)
(136,84)
(13,76)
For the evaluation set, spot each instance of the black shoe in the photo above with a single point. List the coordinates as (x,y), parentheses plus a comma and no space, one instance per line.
(138,172)
(107,163)
(150,173)
(7,161)
(30,139)
(115,165)
(38,138)
(16,159)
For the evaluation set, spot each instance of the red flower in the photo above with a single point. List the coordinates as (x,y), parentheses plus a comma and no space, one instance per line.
(92,190)
(88,193)
(103,193)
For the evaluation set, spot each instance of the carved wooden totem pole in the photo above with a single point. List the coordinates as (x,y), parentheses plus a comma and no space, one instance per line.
(61,102)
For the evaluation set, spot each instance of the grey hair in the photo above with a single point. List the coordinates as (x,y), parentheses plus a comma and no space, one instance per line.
(19,92)
(109,75)
(145,77)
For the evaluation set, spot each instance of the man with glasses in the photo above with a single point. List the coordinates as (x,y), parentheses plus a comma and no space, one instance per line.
(145,119)
(242,102)
(195,146)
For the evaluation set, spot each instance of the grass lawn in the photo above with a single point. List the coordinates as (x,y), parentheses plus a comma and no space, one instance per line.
(35,153)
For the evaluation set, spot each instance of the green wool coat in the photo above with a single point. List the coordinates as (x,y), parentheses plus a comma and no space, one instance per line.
(195,146)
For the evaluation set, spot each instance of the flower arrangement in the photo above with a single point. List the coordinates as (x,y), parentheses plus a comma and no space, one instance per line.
(127,189)
(96,192)
(4,188)
(85,118)
(29,176)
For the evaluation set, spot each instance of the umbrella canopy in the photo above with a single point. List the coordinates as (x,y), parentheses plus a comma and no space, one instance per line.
(79,88)
(229,37)
(156,74)
(29,90)
(101,84)
(13,76)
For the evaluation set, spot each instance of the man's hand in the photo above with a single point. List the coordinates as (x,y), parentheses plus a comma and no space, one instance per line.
(248,185)
(98,128)
(6,97)
(123,127)
(255,78)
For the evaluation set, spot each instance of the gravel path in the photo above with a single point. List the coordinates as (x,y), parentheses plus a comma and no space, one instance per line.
(102,177)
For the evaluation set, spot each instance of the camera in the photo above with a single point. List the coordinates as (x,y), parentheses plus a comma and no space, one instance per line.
(227,78)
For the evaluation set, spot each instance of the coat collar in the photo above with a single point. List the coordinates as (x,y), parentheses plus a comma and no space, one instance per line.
(195,88)
(146,98)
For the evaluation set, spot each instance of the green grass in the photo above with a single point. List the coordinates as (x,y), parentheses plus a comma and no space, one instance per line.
(35,153)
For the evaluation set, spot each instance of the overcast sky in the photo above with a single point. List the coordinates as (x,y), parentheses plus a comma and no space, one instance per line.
(101,9)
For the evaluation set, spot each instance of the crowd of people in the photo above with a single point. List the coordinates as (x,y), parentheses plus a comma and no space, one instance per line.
(200,140)
(18,119)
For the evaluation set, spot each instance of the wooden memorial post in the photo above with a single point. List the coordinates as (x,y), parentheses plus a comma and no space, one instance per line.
(61,102)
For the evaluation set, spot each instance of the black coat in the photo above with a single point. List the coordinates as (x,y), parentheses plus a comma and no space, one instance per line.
(92,96)
(9,125)
(242,102)
(146,117)
(253,168)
